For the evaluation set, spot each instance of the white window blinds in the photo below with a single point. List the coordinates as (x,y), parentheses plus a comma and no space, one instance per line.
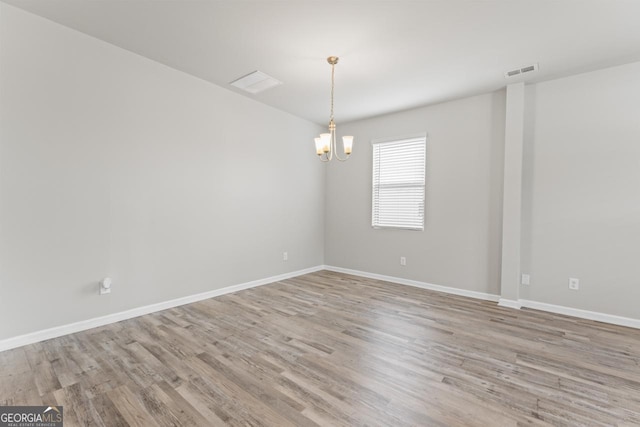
(399,183)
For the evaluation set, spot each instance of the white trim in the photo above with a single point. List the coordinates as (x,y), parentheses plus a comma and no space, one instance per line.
(503,302)
(83,325)
(34,337)
(582,314)
(509,303)
(417,135)
(417,284)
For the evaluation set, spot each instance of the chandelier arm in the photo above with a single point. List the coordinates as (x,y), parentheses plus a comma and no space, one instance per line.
(341,159)
(334,143)
(336,150)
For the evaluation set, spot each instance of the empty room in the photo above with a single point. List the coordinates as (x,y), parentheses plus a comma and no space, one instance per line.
(319,213)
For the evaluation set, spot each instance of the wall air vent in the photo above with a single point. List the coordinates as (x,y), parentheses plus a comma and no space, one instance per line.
(519,71)
(255,82)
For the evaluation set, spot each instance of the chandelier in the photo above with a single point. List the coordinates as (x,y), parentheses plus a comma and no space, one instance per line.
(326,142)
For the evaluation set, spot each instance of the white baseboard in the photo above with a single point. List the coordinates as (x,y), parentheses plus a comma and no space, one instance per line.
(503,302)
(582,314)
(417,284)
(83,325)
(509,303)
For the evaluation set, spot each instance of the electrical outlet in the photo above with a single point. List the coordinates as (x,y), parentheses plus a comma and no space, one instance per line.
(105,286)
(285,256)
(574,284)
(403,261)
(525,279)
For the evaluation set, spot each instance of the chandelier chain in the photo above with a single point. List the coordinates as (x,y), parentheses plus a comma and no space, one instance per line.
(333,67)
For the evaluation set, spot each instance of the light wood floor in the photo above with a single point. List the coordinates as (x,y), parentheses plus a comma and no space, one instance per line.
(331,349)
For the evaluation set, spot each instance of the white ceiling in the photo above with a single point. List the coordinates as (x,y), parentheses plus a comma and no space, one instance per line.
(394,54)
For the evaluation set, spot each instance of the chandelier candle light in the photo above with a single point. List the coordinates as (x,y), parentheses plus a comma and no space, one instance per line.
(326,143)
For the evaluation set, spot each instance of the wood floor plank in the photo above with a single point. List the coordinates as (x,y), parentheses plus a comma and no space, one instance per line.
(338,350)
(130,407)
(107,412)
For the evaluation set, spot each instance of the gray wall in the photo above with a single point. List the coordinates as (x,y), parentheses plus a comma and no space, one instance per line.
(460,245)
(581,192)
(114,165)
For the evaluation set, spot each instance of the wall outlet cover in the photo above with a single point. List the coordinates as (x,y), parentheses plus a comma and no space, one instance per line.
(574,284)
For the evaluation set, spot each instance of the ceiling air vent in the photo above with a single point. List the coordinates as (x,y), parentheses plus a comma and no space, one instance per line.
(255,82)
(519,71)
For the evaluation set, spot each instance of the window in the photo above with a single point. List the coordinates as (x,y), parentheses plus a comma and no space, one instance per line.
(398,183)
